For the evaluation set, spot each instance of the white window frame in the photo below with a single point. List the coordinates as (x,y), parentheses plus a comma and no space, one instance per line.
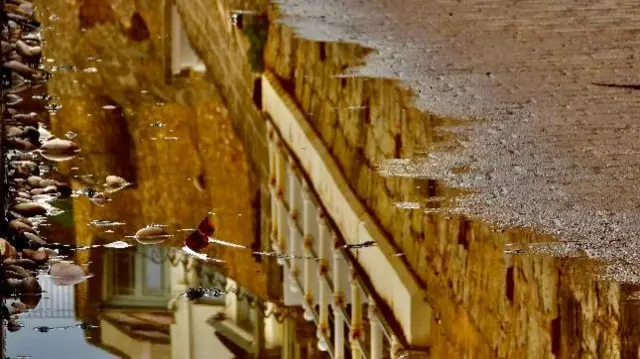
(139,298)
(182,54)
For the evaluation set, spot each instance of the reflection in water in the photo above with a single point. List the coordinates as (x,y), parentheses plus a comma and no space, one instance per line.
(170,174)
(159,234)
(67,274)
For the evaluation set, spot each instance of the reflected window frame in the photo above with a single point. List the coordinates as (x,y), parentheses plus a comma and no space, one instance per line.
(138,295)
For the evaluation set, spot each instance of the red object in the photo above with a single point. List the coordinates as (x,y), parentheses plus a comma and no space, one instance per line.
(196,241)
(206,227)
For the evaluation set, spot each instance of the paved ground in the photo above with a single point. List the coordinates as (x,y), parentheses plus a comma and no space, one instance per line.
(557,152)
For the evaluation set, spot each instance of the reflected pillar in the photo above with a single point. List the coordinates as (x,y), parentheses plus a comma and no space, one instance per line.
(281,213)
(324,292)
(272,184)
(339,285)
(295,245)
(376,331)
(231,300)
(309,297)
(356,317)
(276,181)
(193,272)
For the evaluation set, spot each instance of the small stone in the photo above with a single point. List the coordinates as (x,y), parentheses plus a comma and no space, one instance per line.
(29,209)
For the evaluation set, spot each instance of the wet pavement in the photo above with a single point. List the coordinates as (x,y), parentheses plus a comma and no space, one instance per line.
(139,201)
(550,141)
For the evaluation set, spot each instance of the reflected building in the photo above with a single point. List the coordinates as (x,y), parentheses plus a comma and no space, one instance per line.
(130,304)
(484,300)
(178,142)
(232,325)
(179,145)
(245,324)
(142,312)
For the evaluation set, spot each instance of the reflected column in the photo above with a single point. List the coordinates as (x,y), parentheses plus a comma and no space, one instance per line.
(356,316)
(323,287)
(281,213)
(376,331)
(339,285)
(309,298)
(276,174)
(295,245)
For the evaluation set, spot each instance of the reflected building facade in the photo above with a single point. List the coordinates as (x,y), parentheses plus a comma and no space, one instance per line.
(196,143)
(149,317)
(176,143)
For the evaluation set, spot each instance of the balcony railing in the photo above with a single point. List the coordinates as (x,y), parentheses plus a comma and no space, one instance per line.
(320,267)
(57,301)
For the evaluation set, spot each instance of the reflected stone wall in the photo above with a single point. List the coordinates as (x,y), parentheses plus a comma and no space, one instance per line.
(172,137)
(486,304)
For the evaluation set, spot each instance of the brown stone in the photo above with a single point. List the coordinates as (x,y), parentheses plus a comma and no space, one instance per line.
(305,100)
(363,184)
(29,209)
(353,126)
(39,256)
(6,250)
(20,227)
(333,86)
(344,153)
(387,145)
(326,129)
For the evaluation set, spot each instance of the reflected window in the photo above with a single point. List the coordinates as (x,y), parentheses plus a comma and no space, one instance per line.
(183,56)
(138,277)
(153,271)
(123,273)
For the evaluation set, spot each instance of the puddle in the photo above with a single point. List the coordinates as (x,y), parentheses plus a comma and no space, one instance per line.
(162,223)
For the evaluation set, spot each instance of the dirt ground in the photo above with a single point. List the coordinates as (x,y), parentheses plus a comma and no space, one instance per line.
(556,151)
